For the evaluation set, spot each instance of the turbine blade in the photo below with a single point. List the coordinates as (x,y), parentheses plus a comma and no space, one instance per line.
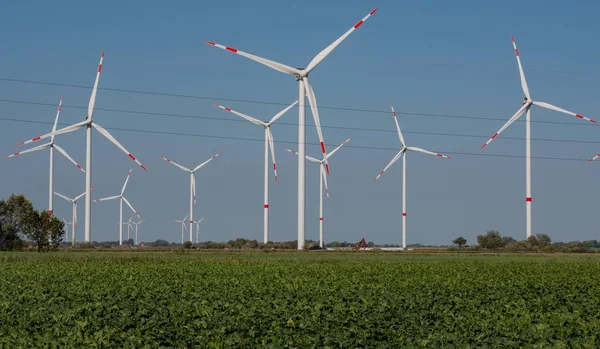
(83,194)
(31,150)
(400,136)
(105,133)
(420,150)
(309,158)
(321,56)
(131,207)
(194,188)
(394,159)
(95,89)
(521,73)
(64,197)
(206,162)
(56,119)
(324,179)
(278,115)
(176,164)
(313,107)
(64,153)
(338,147)
(126,180)
(59,132)
(249,118)
(561,110)
(510,121)
(271,64)
(108,198)
(272,146)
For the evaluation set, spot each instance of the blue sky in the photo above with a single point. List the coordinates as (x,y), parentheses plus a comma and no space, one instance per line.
(427,57)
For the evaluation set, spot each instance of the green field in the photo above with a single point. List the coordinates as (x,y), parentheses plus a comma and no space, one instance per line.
(301,300)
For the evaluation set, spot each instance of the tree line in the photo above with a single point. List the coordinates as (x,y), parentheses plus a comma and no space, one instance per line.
(23,227)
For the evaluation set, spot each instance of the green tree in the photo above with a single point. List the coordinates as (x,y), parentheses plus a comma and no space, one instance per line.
(16,218)
(188,245)
(460,241)
(45,232)
(508,240)
(543,239)
(533,241)
(491,240)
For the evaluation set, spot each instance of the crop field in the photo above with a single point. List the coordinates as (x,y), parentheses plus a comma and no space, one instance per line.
(298,300)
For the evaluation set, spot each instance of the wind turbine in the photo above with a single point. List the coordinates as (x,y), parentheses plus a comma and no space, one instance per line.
(121,199)
(198,228)
(66,227)
(128,226)
(183,221)
(73,202)
(268,143)
(322,181)
(88,123)
(50,145)
(404,149)
(526,108)
(136,229)
(192,186)
(304,87)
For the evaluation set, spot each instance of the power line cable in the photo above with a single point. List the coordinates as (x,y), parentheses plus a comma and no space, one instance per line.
(456,116)
(294,142)
(323,126)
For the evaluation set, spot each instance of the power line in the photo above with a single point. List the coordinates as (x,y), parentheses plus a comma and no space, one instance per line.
(165,94)
(293,142)
(323,126)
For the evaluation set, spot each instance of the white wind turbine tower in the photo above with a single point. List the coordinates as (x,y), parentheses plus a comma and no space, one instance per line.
(526,108)
(198,228)
(404,149)
(136,229)
(322,181)
(183,226)
(121,199)
(128,226)
(50,145)
(88,123)
(304,88)
(268,143)
(192,187)
(66,227)
(73,202)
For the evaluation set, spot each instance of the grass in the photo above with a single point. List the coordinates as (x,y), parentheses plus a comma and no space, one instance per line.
(298,299)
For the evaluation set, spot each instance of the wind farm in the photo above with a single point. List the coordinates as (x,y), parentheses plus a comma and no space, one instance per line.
(374,243)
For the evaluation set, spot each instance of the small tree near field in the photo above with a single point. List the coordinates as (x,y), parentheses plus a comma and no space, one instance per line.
(46,232)
(492,240)
(543,239)
(460,242)
(533,241)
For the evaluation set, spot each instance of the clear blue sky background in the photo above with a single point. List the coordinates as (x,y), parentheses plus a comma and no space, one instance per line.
(431,57)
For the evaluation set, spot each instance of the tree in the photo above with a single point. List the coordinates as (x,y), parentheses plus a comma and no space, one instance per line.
(187,245)
(492,240)
(46,231)
(508,240)
(460,241)
(16,217)
(543,239)
(533,241)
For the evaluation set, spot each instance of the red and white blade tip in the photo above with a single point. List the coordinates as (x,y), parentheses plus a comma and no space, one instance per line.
(102,53)
(583,117)
(512,38)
